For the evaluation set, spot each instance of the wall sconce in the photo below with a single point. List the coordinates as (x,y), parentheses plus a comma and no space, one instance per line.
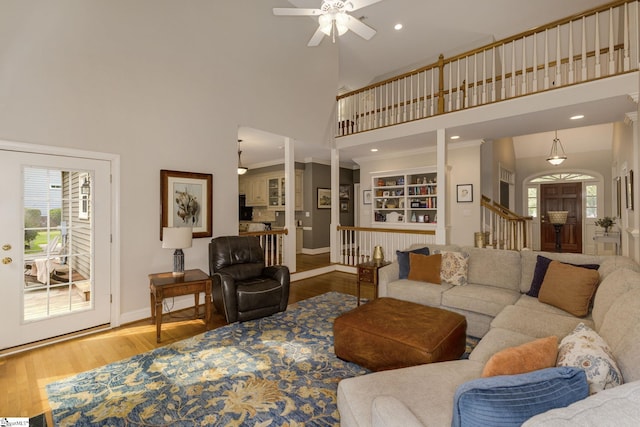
(85,188)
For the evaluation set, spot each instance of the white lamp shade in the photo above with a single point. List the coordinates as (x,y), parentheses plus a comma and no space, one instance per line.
(176,237)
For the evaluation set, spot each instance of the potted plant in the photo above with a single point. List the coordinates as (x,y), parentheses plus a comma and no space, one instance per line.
(606,223)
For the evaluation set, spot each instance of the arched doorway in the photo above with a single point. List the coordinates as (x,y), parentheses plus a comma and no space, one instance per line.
(581,193)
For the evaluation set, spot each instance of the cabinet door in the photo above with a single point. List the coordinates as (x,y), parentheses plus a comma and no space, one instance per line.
(257,192)
(299,204)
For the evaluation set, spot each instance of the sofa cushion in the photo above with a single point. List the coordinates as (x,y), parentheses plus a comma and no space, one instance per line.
(425,268)
(403,260)
(610,289)
(569,288)
(527,357)
(535,323)
(509,400)
(495,340)
(542,264)
(413,386)
(454,268)
(618,406)
(484,263)
(528,261)
(479,298)
(585,349)
(535,304)
(420,292)
(621,332)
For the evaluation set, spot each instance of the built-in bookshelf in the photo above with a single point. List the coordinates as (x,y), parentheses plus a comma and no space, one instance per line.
(405,198)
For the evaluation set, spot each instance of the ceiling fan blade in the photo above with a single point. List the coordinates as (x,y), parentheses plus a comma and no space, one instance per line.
(360,28)
(352,5)
(293,11)
(316,38)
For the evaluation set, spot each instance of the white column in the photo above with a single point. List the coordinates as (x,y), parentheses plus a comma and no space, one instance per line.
(289,255)
(443,194)
(335,204)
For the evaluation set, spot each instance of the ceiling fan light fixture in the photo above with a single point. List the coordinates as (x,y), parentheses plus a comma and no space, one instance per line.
(342,20)
(556,157)
(326,24)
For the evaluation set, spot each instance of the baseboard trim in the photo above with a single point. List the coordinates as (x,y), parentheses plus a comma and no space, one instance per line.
(316,251)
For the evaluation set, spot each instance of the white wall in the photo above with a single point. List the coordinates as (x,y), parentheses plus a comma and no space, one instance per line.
(164,84)
(463,218)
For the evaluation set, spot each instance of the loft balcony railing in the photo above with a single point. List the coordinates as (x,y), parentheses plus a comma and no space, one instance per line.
(599,43)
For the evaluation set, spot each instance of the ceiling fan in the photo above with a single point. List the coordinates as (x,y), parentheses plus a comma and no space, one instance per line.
(333,18)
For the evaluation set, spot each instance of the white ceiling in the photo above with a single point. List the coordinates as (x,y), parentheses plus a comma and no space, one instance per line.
(430,28)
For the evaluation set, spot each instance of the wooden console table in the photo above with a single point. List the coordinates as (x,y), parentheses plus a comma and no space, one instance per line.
(165,285)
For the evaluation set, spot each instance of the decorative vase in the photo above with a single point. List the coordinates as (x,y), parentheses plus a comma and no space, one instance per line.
(378,255)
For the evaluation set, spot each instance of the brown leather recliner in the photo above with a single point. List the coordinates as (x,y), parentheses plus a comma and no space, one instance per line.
(243,288)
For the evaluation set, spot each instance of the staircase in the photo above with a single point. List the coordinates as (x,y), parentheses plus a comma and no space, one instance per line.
(502,228)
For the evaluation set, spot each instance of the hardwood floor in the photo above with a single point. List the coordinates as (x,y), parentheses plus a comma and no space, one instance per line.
(306,262)
(23,377)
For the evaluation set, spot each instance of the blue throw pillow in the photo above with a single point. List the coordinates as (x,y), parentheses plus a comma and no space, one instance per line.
(542,265)
(510,400)
(403,260)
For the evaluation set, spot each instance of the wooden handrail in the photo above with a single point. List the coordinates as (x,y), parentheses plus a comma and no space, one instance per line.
(385,230)
(441,61)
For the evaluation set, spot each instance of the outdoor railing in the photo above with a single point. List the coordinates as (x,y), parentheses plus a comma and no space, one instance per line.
(355,244)
(599,43)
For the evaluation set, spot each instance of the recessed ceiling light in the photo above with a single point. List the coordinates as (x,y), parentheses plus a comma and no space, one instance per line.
(373,150)
(397,27)
(577,117)
(455,137)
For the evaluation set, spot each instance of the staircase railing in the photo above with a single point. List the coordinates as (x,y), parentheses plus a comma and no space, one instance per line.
(504,229)
(598,43)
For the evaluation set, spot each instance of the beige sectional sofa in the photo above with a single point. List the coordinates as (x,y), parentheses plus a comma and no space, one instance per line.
(498,310)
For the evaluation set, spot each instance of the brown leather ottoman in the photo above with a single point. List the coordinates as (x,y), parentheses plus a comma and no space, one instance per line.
(387,333)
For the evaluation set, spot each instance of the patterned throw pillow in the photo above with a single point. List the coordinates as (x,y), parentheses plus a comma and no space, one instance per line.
(584,348)
(454,268)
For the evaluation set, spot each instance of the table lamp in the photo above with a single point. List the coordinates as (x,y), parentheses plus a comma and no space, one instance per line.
(558,219)
(177,238)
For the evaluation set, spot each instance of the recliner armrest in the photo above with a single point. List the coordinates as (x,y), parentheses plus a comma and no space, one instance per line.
(224,295)
(280,273)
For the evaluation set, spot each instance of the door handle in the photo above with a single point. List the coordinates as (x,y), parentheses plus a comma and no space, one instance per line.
(6,260)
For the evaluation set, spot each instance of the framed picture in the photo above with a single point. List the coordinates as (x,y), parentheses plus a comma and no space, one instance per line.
(344,206)
(628,183)
(345,192)
(324,198)
(366,197)
(186,201)
(464,193)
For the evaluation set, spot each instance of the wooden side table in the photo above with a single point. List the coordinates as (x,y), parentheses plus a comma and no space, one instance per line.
(165,285)
(368,273)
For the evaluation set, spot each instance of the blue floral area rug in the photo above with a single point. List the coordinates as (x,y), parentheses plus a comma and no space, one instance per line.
(276,371)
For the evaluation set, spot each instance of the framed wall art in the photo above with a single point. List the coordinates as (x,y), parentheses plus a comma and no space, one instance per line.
(464,193)
(324,198)
(186,201)
(345,192)
(366,197)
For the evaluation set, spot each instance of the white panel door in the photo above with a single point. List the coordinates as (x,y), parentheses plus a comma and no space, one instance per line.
(55,227)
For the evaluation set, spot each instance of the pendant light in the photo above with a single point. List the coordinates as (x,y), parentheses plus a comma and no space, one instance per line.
(241,169)
(556,157)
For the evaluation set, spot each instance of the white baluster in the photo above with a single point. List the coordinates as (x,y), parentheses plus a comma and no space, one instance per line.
(584,49)
(513,68)
(597,49)
(546,59)
(493,74)
(625,36)
(534,82)
(467,97)
(458,85)
(484,76)
(503,86)
(411,97)
(523,90)
(432,92)
(404,101)
(450,89)
(571,70)
(475,79)
(612,64)
(424,98)
(558,80)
